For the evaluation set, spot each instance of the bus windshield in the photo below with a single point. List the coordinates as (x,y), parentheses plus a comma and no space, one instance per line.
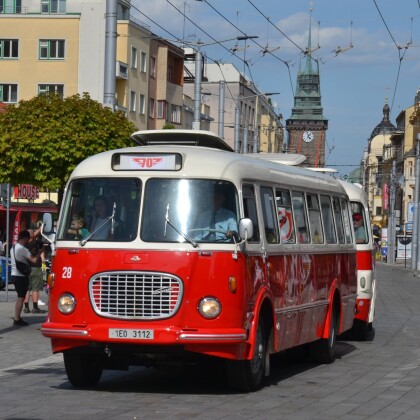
(193,210)
(101,209)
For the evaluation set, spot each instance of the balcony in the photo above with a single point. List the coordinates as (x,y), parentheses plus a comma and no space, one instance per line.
(121,70)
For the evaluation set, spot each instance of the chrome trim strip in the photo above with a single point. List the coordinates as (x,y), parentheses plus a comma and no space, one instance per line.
(220,337)
(58,331)
(302,307)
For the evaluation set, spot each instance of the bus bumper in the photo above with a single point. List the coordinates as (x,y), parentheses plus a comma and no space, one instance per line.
(227,343)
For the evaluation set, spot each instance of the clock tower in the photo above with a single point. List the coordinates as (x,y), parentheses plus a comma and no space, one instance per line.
(307,125)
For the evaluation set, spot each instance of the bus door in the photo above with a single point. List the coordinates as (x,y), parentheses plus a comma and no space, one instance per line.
(257,255)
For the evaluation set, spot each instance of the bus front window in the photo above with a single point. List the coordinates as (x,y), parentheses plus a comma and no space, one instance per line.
(198,211)
(101,209)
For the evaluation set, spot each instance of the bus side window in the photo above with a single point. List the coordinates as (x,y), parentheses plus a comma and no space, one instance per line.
(327,219)
(250,210)
(299,211)
(285,217)
(338,220)
(315,219)
(346,220)
(269,215)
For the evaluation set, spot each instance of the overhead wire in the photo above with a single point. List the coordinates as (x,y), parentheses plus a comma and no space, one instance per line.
(255,42)
(399,48)
(177,39)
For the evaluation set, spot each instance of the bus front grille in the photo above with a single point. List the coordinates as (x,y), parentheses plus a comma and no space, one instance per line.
(135,295)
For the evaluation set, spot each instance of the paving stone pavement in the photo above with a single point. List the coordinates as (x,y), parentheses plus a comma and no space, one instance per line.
(375,379)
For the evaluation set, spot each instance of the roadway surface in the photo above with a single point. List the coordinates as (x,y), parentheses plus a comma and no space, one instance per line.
(375,379)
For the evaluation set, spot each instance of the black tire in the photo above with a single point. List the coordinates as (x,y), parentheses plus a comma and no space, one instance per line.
(323,350)
(247,375)
(360,330)
(82,369)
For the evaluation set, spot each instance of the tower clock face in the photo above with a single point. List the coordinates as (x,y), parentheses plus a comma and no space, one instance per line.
(308,136)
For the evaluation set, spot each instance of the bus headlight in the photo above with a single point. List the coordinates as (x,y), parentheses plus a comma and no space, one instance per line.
(209,307)
(66,303)
(362,282)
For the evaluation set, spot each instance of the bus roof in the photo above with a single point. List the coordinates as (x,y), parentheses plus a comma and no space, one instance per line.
(201,160)
(181,137)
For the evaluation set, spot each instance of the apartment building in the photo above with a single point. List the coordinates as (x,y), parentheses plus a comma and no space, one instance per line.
(259,128)
(59,46)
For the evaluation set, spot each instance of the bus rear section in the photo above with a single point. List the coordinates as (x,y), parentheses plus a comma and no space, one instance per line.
(366,274)
(176,252)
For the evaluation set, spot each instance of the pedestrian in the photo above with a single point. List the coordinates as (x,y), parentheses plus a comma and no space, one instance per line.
(36,278)
(20,254)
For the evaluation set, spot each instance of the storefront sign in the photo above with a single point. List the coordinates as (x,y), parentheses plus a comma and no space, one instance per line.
(27,192)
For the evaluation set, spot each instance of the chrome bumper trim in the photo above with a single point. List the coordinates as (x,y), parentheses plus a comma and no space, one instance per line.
(55,331)
(214,337)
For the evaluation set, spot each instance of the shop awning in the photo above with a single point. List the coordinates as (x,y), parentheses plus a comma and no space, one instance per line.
(32,207)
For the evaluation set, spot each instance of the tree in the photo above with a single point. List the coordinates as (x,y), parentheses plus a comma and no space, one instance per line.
(43,139)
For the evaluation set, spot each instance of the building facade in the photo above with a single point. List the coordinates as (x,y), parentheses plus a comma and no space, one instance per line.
(59,46)
(245,114)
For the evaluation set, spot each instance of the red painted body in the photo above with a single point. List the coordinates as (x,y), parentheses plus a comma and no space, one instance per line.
(299,288)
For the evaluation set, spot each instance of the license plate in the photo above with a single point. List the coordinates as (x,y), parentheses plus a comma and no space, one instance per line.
(135,334)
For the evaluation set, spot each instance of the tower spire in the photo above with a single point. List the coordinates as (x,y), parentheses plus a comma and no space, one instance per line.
(308,68)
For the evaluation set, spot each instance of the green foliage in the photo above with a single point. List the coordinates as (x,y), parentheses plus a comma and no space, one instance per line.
(43,139)
(168,126)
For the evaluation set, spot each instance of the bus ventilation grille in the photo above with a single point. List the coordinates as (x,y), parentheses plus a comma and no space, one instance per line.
(135,295)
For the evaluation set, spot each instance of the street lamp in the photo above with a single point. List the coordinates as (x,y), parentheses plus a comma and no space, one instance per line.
(197,79)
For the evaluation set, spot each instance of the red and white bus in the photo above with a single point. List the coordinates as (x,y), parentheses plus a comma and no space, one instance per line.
(153,280)
(366,279)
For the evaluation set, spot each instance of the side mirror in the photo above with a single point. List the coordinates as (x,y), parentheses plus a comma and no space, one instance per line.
(47,221)
(246,229)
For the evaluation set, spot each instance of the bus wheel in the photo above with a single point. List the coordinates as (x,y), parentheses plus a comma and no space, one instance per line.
(324,349)
(82,369)
(247,375)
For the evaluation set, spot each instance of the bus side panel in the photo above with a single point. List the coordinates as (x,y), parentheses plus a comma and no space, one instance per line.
(302,286)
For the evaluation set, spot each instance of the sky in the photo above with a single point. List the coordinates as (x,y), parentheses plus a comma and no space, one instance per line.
(369,50)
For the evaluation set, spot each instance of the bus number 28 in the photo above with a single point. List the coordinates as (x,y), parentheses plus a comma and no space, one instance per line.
(67,272)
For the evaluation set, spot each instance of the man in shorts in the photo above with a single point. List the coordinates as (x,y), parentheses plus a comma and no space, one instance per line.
(21,253)
(36,280)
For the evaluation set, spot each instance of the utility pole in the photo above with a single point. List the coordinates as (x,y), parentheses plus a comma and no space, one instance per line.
(255,145)
(197,90)
(110,53)
(391,216)
(416,219)
(221,126)
(236,140)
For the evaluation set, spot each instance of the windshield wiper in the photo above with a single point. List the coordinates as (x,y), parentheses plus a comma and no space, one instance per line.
(184,235)
(112,218)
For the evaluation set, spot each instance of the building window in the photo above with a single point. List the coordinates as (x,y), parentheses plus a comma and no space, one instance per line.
(161,109)
(9,48)
(45,89)
(11,6)
(170,73)
(151,108)
(152,67)
(143,62)
(133,100)
(176,114)
(142,104)
(51,49)
(53,6)
(133,57)
(8,93)
(123,12)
